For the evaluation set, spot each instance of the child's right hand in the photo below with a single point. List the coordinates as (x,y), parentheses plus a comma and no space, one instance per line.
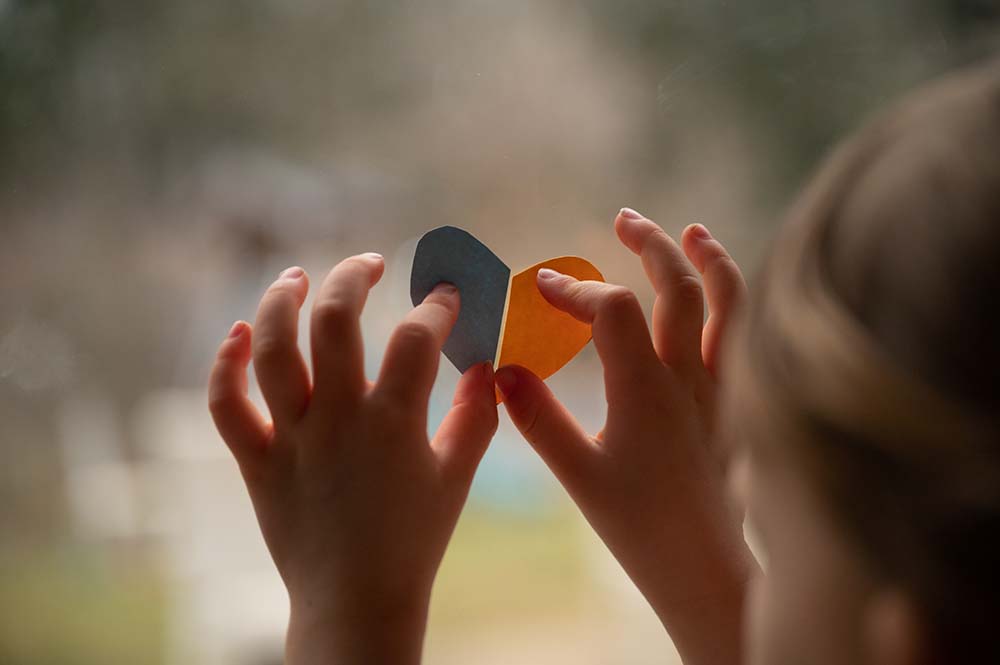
(650,482)
(355,504)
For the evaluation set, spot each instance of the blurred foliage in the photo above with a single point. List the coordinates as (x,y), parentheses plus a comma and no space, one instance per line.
(175,75)
(39,45)
(803,70)
(73,608)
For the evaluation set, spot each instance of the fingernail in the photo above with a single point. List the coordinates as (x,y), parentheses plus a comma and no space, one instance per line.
(488,371)
(506,380)
(700,232)
(375,256)
(628,213)
(292,273)
(445,289)
(237,329)
(548,274)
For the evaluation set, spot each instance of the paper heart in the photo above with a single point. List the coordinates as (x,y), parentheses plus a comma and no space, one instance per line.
(503,319)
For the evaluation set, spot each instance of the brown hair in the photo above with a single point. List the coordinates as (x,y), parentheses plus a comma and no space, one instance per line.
(872,350)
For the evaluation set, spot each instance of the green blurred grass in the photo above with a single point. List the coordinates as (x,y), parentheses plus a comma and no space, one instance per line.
(501,566)
(79,607)
(74,605)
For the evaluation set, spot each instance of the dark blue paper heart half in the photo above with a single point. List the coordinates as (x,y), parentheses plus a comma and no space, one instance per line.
(448,254)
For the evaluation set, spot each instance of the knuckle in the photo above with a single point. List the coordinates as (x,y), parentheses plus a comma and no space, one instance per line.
(227,354)
(720,260)
(414,335)
(448,304)
(620,300)
(393,412)
(657,235)
(531,425)
(218,401)
(656,243)
(267,348)
(281,294)
(333,314)
(687,288)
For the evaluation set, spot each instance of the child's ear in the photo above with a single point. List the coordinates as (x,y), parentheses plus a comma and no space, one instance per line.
(893,631)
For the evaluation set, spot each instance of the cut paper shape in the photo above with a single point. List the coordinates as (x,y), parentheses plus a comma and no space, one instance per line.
(447,254)
(536,335)
(503,319)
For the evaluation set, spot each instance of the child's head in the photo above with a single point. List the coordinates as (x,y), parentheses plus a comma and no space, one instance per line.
(865,381)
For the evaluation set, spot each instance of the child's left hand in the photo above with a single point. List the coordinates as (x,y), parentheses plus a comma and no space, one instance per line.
(355,504)
(652,482)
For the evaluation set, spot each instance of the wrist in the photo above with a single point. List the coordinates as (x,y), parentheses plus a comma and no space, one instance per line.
(369,631)
(705,619)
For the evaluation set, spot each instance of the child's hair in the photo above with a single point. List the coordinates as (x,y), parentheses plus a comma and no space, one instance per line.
(872,352)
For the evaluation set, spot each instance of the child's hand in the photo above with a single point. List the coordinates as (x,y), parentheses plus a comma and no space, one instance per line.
(650,483)
(355,504)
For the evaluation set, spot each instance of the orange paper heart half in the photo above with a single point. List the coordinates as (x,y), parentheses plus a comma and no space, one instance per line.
(503,318)
(535,334)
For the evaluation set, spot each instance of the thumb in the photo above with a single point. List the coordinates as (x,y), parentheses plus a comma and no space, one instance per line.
(550,429)
(466,430)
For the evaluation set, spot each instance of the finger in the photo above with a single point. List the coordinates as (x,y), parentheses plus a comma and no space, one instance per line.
(618,325)
(335,330)
(546,424)
(412,356)
(466,430)
(678,313)
(237,419)
(725,290)
(281,371)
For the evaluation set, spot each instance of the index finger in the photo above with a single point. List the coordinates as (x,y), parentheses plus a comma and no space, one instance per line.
(618,324)
(414,351)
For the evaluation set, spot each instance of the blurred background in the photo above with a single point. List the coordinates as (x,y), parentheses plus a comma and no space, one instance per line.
(161,161)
